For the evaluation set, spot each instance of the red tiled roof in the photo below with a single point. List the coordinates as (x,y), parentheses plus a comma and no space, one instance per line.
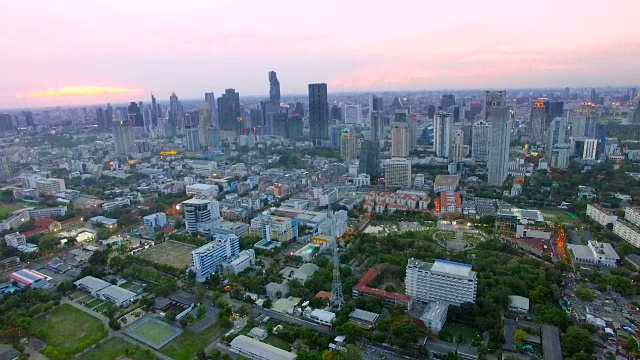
(323,294)
(73,220)
(361,286)
(168,229)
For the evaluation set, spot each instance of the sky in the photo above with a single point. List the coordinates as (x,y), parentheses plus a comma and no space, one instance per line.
(67,52)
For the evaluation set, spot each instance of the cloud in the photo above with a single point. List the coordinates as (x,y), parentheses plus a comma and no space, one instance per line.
(81,91)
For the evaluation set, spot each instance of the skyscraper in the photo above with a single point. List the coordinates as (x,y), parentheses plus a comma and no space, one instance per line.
(109,117)
(370,158)
(173,112)
(594,96)
(154,112)
(204,122)
(274,88)
(458,149)
(397,173)
(101,119)
(499,139)
(399,140)
(442,128)
(352,114)
(377,103)
(537,122)
(210,99)
(5,171)
(377,126)
(318,113)
(493,99)
(557,133)
(193,138)
(28,118)
(446,101)
(336,112)
(347,146)
(213,138)
(229,111)
(480,141)
(6,122)
(123,137)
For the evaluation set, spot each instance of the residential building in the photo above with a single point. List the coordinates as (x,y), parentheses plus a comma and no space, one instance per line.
(352,114)
(397,173)
(192,135)
(210,258)
(632,214)
(271,227)
(369,158)
(203,167)
(557,133)
(493,99)
(238,229)
(200,215)
(48,212)
(49,186)
(115,203)
(446,183)
(442,128)
(480,141)
(318,113)
(458,150)
(15,240)
(499,140)
(442,280)
(347,146)
(202,190)
(245,260)
(560,156)
(537,122)
(418,182)
(326,196)
(627,231)
(377,126)
(157,220)
(595,253)
(123,137)
(601,215)
(435,315)
(400,141)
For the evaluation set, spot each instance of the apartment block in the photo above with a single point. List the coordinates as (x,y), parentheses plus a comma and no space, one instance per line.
(442,280)
(600,215)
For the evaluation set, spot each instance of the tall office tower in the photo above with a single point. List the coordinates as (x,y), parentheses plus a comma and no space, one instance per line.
(335,113)
(399,140)
(299,109)
(446,101)
(458,149)
(5,171)
(173,111)
(335,134)
(633,94)
(204,122)
(499,139)
(109,117)
(413,129)
(442,127)
(431,111)
(493,99)
(347,146)
(352,114)
(377,103)
(123,137)
(369,158)
(447,281)
(537,122)
(209,258)
(229,112)
(200,215)
(269,114)
(210,99)
(294,127)
(594,96)
(274,88)
(553,109)
(557,133)
(567,93)
(590,149)
(193,138)
(318,113)
(154,112)
(377,126)
(560,154)
(6,122)
(635,119)
(28,118)
(101,119)
(397,173)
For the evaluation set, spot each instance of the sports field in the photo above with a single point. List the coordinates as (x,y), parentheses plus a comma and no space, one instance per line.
(172,253)
(153,332)
(6,210)
(67,331)
(115,347)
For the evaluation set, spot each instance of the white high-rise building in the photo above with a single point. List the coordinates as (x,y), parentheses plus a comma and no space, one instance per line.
(157,220)
(209,258)
(557,133)
(560,154)
(347,146)
(499,138)
(397,173)
(200,215)
(442,128)
(458,149)
(590,147)
(480,141)
(352,114)
(399,140)
(493,99)
(123,137)
(442,280)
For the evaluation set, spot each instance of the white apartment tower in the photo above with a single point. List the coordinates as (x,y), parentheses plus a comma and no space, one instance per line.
(399,141)
(499,138)
(458,149)
(442,280)
(123,137)
(442,128)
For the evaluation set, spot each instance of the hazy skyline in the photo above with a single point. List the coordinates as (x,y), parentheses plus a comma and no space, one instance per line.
(123,50)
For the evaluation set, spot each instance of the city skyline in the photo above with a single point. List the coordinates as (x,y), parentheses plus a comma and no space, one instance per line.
(206,46)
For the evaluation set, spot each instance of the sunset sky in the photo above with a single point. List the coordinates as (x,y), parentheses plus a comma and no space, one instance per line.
(91,51)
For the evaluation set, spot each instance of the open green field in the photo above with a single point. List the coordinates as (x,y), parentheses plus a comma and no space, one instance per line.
(7,210)
(556,215)
(170,252)
(277,342)
(94,302)
(112,348)
(67,331)
(101,308)
(154,331)
(185,346)
(455,330)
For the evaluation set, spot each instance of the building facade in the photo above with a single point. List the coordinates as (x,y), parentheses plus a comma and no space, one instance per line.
(397,173)
(442,280)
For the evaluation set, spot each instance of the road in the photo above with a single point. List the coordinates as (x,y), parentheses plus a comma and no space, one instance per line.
(255,309)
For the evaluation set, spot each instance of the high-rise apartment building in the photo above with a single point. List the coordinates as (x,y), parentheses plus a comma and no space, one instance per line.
(154,112)
(274,88)
(447,281)
(493,99)
(557,133)
(28,118)
(458,149)
(537,122)
(397,173)
(377,103)
(123,137)
(174,120)
(347,146)
(560,154)
(208,259)
(442,128)
(210,99)
(200,215)
(318,113)
(369,158)
(400,140)
(377,126)
(204,122)
(229,114)
(134,114)
(192,135)
(499,139)
(5,170)
(480,141)
(352,114)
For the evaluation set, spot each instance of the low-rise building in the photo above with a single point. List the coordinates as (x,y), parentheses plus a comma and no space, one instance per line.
(15,240)
(632,214)
(105,291)
(600,215)
(256,350)
(115,203)
(204,190)
(157,220)
(364,318)
(30,278)
(595,253)
(435,315)
(445,183)
(245,260)
(104,221)
(449,203)
(518,304)
(48,212)
(322,317)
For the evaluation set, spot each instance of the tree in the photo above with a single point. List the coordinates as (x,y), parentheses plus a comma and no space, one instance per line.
(584,293)
(179,223)
(244,310)
(577,340)
(114,324)
(521,336)
(267,304)
(64,287)
(48,242)
(99,258)
(631,345)
(103,233)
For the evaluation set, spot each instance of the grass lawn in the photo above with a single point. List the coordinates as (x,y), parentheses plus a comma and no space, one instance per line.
(101,308)
(559,215)
(185,346)
(67,331)
(277,342)
(7,210)
(154,331)
(459,330)
(114,347)
(94,302)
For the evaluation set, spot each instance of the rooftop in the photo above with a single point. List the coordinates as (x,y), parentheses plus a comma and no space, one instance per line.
(118,293)
(435,311)
(364,315)
(452,268)
(266,351)
(196,201)
(519,302)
